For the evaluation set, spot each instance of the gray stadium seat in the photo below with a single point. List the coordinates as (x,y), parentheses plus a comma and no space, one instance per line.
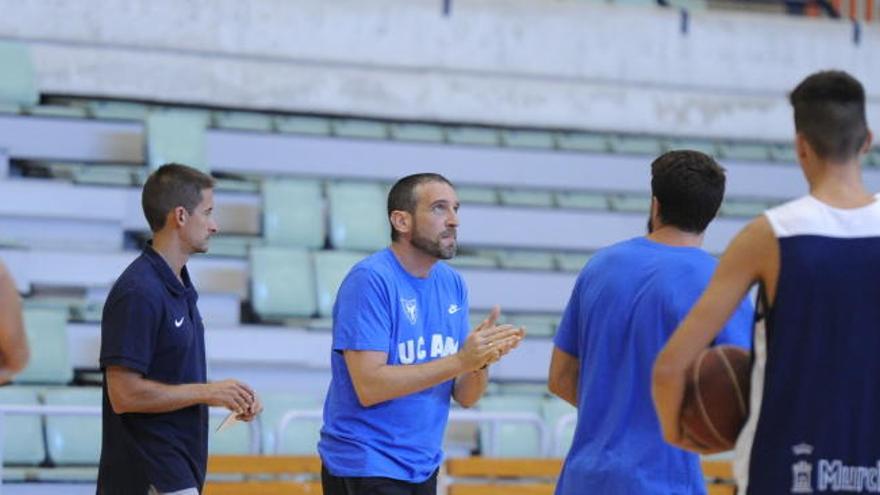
(418,132)
(17,85)
(358,218)
(282,282)
(303,125)
(242,121)
(528,139)
(360,128)
(293,213)
(46,330)
(331,267)
(176,136)
(526,197)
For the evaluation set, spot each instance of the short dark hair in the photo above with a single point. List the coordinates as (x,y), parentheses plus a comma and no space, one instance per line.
(402,196)
(170,186)
(829,112)
(689,186)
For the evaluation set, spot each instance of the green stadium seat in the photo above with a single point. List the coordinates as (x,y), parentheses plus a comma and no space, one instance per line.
(588,200)
(513,439)
(476,194)
(22,435)
(637,145)
(293,213)
(572,262)
(106,175)
(519,389)
(360,128)
(302,435)
(46,330)
(744,151)
(583,141)
(73,440)
(317,126)
(738,208)
(527,260)
(234,440)
(234,246)
(784,153)
(331,267)
(536,325)
(524,197)
(282,282)
(176,136)
(242,121)
(358,217)
(426,133)
(528,139)
(9,108)
(630,203)
(701,145)
(554,409)
(483,136)
(120,110)
(17,86)
(71,111)
(478,260)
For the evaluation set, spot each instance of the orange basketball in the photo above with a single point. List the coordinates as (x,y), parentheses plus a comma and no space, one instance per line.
(716,398)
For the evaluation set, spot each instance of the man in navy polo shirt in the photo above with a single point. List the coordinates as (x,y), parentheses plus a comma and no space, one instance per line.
(155,418)
(402,349)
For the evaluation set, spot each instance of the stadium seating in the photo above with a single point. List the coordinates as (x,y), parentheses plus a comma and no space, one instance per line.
(47,337)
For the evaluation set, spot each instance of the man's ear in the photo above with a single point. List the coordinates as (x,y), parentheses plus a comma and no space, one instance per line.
(869,140)
(802,148)
(401,221)
(178,216)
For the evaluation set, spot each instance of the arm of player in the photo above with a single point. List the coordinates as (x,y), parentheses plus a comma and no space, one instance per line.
(376,381)
(130,392)
(469,387)
(564,375)
(14,351)
(747,260)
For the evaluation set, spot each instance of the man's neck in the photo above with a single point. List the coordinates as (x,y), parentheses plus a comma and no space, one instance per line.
(839,185)
(416,262)
(172,252)
(673,236)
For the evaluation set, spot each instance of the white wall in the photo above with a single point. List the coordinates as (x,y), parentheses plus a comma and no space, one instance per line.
(520,62)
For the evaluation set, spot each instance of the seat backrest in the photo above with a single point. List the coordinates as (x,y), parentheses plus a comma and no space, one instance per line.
(302,435)
(293,213)
(512,439)
(17,85)
(233,440)
(175,136)
(358,216)
(553,409)
(46,330)
(73,440)
(22,435)
(282,282)
(331,267)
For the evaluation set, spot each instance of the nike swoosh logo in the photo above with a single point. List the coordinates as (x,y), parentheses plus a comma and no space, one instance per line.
(454,308)
(178,323)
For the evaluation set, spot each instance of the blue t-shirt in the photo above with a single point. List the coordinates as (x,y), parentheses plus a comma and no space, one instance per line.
(151,325)
(625,304)
(381,307)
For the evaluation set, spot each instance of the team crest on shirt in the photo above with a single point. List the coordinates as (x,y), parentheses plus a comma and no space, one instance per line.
(410,309)
(802,470)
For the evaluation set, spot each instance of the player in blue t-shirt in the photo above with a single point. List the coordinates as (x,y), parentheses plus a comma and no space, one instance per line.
(155,395)
(626,302)
(402,349)
(815,383)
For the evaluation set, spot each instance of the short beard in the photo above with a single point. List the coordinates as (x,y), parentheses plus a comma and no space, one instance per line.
(434,248)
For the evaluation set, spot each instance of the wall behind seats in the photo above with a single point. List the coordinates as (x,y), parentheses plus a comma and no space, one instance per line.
(565,64)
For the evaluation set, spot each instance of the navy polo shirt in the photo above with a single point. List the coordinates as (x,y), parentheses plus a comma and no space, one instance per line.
(151,325)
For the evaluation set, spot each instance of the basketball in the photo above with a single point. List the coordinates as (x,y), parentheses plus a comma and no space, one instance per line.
(716,397)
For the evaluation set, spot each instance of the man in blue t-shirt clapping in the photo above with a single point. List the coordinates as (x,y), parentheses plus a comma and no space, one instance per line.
(401,348)
(625,304)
